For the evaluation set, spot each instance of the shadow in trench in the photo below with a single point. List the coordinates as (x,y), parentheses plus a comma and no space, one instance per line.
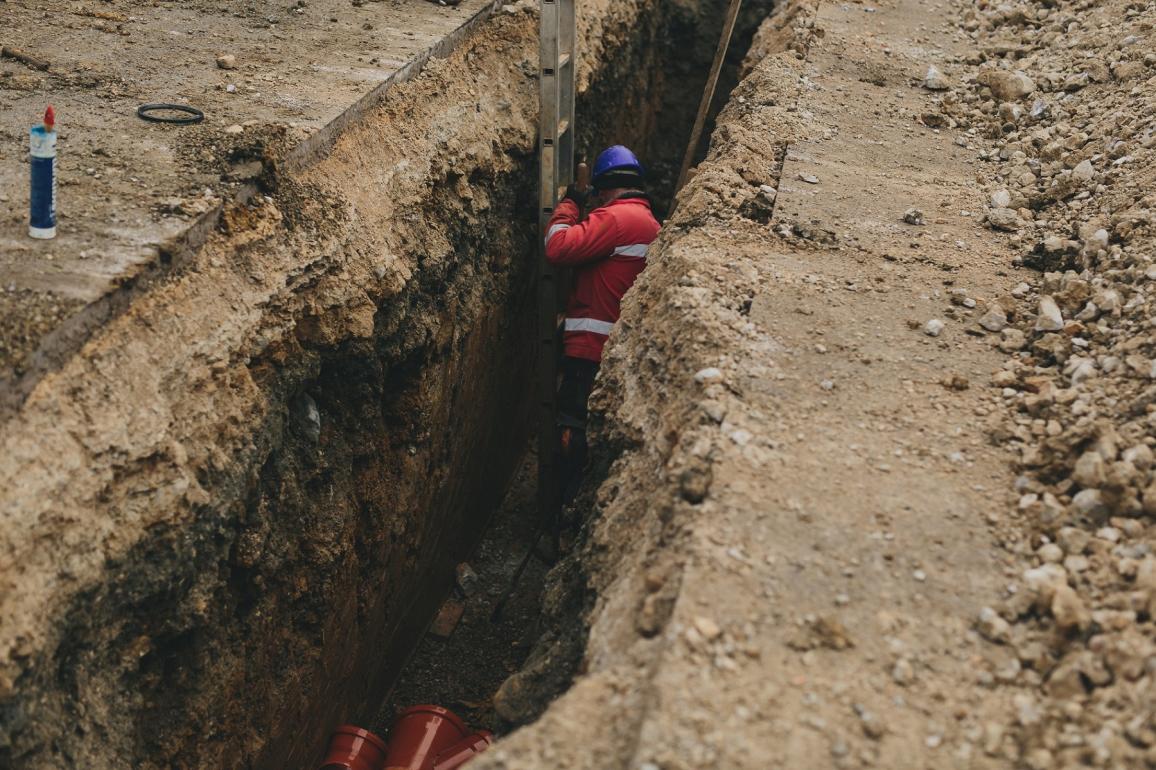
(463,671)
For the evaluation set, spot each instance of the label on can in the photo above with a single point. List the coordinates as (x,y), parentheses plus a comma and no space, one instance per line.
(42,206)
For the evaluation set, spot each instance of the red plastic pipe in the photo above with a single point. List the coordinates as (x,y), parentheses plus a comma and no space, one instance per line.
(432,738)
(353,748)
(422,738)
(463,751)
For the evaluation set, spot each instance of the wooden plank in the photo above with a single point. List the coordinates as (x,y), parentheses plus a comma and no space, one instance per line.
(708,95)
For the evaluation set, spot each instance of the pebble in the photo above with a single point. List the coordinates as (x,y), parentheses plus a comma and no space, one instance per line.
(1089,470)
(994,320)
(710,374)
(1069,611)
(1012,339)
(708,628)
(1000,199)
(903,673)
(809,178)
(227,61)
(1049,319)
(1006,85)
(873,728)
(1084,171)
(913,216)
(993,627)
(1005,219)
(1088,502)
(935,80)
(933,328)
(1050,553)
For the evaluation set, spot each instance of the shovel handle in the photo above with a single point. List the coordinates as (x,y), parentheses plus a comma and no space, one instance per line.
(583,178)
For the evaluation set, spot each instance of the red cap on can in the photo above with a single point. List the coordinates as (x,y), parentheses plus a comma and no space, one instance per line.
(49,118)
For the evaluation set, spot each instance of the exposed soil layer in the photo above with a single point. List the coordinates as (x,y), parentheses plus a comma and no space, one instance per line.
(242,523)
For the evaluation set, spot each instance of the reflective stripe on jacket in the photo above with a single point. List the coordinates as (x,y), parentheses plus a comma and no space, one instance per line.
(607,251)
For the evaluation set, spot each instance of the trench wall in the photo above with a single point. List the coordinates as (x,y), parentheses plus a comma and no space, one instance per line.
(249,481)
(598,689)
(226,516)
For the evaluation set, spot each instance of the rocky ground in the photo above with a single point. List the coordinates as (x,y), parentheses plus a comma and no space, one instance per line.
(1062,107)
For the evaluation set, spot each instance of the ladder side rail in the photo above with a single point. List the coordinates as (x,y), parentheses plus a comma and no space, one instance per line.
(555,157)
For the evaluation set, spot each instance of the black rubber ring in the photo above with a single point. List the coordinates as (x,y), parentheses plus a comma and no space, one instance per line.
(144,112)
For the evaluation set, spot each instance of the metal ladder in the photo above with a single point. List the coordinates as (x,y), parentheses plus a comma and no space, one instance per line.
(556,171)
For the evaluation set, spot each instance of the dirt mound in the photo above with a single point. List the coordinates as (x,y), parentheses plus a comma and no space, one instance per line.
(1069,135)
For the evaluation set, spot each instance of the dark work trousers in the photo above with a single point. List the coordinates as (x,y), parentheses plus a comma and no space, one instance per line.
(577,381)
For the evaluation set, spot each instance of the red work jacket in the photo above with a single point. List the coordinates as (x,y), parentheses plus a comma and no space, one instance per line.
(607,251)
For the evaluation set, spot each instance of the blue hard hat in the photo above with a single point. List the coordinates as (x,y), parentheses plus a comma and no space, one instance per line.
(616,159)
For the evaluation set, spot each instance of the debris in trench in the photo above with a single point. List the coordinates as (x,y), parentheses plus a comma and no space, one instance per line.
(447,618)
(467,579)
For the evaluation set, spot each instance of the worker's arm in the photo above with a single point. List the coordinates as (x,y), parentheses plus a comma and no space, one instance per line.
(570,242)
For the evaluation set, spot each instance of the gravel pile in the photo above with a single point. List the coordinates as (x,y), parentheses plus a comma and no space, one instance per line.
(1059,102)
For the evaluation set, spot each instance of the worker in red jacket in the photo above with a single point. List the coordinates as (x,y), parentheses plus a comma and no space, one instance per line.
(607,251)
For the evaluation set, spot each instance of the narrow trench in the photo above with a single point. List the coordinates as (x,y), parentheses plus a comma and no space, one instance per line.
(649,104)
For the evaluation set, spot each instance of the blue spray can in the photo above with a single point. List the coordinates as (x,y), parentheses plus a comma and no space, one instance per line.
(42,158)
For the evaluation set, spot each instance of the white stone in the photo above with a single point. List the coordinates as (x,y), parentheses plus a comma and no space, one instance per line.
(935,80)
(993,320)
(1050,319)
(1004,219)
(1000,199)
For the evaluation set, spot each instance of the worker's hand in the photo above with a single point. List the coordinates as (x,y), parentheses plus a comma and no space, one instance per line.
(577,194)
